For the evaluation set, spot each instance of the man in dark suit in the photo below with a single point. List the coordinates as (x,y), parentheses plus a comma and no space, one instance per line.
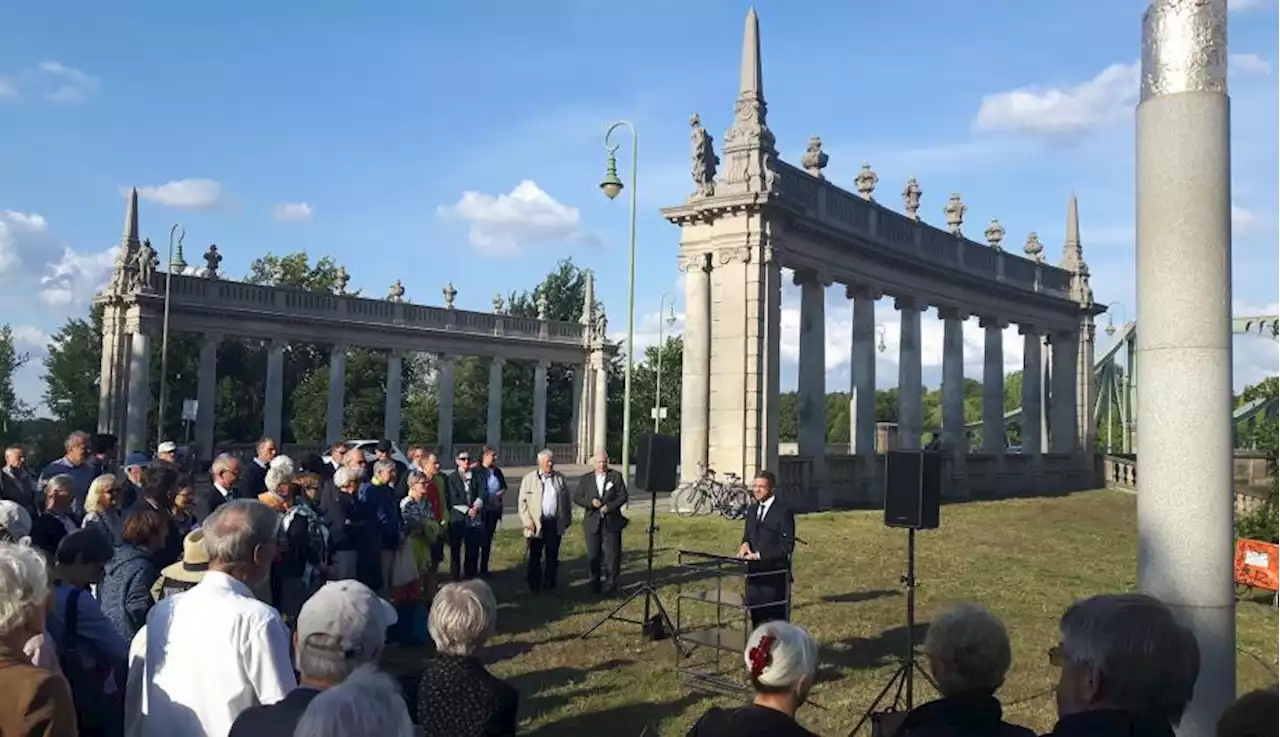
(466,523)
(223,475)
(602,493)
(253,479)
(767,544)
(493,484)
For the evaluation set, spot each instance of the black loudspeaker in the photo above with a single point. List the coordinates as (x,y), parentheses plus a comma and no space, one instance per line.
(656,460)
(912,489)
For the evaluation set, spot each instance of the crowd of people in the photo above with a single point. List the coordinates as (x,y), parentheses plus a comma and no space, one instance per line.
(134,602)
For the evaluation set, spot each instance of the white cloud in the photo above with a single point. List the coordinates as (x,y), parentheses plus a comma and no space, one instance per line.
(186,194)
(504,224)
(292,211)
(70,84)
(30,336)
(1248,64)
(1241,5)
(1243,220)
(8,89)
(75,277)
(1062,111)
(15,230)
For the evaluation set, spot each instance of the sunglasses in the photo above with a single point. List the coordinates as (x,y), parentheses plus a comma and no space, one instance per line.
(464,459)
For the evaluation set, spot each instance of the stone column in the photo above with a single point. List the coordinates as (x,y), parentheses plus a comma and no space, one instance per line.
(493,421)
(575,432)
(335,414)
(863,367)
(540,404)
(1031,391)
(1046,383)
(695,368)
(812,399)
(953,436)
(207,394)
(993,386)
(1184,445)
(395,391)
(910,391)
(1062,422)
(139,390)
(273,404)
(111,372)
(1131,396)
(600,403)
(444,407)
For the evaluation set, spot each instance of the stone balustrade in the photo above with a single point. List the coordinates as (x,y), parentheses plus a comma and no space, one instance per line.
(510,455)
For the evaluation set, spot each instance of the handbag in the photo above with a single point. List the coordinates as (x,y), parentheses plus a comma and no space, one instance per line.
(404,570)
(96,712)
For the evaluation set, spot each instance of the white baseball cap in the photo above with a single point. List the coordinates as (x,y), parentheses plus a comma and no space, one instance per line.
(167,446)
(349,612)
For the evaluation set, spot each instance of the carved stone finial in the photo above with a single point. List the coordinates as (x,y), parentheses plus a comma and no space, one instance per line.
(866,181)
(994,234)
(955,211)
(212,262)
(1034,248)
(342,279)
(497,303)
(397,292)
(911,198)
(544,307)
(450,294)
(602,326)
(705,160)
(145,262)
(815,159)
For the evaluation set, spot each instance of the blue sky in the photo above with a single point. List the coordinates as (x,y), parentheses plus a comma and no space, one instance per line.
(407,134)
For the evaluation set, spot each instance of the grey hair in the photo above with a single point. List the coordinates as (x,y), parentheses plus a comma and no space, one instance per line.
(413,475)
(367,704)
(386,464)
(96,487)
(24,585)
(1148,661)
(236,529)
(77,436)
(463,616)
(793,656)
(61,481)
(223,463)
(970,650)
(346,475)
(546,454)
(322,657)
(281,471)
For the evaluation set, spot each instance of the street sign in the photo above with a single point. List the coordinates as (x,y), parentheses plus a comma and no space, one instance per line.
(189,409)
(658,413)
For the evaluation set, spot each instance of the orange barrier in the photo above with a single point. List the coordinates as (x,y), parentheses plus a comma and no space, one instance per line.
(1258,564)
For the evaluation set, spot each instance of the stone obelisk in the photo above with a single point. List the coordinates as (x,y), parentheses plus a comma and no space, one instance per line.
(1184,341)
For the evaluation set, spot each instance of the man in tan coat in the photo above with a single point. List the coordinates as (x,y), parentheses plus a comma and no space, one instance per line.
(546,512)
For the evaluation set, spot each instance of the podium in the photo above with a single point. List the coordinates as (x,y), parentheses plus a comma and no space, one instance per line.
(713,621)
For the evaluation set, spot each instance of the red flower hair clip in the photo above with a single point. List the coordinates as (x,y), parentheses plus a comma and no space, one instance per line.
(761,656)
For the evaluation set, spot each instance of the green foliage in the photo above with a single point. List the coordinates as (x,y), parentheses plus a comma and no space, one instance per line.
(12,410)
(72,369)
(1263,523)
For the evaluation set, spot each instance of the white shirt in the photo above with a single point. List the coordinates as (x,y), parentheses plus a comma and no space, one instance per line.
(212,652)
(764,509)
(550,497)
(600,479)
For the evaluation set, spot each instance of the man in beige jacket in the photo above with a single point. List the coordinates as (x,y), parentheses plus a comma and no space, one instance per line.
(546,511)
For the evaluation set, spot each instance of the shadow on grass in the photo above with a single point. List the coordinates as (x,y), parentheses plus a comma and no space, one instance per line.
(632,720)
(532,685)
(869,653)
(857,597)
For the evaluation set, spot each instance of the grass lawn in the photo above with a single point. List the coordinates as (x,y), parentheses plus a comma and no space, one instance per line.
(1026,560)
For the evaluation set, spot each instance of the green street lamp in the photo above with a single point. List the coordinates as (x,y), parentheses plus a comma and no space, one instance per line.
(1111,325)
(612,186)
(667,320)
(176,234)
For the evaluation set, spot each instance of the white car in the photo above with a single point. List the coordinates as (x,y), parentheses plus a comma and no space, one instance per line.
(368,446)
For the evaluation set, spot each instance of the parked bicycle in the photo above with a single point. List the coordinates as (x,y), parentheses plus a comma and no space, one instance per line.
(709,495)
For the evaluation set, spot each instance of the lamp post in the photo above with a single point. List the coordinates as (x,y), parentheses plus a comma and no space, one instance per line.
(1111,326)
(668,320)
(612,186)
(180,233)
(880,331)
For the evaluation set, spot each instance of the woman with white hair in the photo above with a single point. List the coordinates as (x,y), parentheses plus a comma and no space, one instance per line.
(102,507)
(367,704)
(781,661)
(969,655)
(458,697)
(37,702)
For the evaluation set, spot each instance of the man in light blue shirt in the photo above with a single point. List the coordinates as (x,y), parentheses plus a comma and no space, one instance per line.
(546,513)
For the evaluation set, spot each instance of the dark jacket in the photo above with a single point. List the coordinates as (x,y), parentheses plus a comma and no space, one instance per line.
(615,495)
(16,485)
(1109,723)
(747,721)
(461,493)
(280,718)
(774,537)
(484,474)
(344,521)
(208,499)
(125,591)
(253,480)
(963,715)
(377,505)
(457,697)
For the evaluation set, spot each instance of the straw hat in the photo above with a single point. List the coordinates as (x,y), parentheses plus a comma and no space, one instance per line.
(194,563)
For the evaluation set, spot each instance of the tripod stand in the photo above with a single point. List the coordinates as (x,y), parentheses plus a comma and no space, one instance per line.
(654,626)
(902,681)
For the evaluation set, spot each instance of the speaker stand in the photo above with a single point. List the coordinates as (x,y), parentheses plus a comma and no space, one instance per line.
(654,626)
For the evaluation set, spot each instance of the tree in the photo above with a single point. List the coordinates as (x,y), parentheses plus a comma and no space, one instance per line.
(12,410)
(75,352)
(644,379)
